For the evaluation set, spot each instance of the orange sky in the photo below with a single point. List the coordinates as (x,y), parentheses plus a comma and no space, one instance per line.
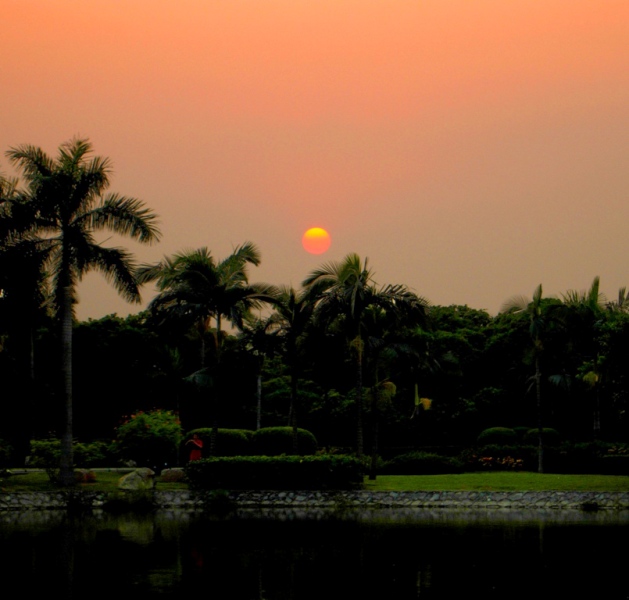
(470,150)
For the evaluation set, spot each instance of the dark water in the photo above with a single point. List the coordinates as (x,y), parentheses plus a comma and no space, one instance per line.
(386,554)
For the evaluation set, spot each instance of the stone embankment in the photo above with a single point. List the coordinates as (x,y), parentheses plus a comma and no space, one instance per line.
(182,499)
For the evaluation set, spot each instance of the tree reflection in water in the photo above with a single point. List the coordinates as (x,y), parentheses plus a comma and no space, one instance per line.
(255,555)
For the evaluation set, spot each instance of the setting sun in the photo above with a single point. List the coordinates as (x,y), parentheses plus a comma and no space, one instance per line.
(316,240)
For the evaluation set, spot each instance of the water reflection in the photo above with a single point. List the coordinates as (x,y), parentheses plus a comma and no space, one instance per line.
(271,554)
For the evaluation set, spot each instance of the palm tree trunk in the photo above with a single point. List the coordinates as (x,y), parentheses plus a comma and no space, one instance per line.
(66,473)
(359,401)
(540,425)
(217,389)
(293,407)
(259,400)
(597,414)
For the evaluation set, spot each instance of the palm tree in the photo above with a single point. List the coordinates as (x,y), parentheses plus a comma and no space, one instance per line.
(621,304)
(260,338)
(539,313)
(67,200)
(345,290)
(293,313)
(200,291)
(584,312)
(23,296)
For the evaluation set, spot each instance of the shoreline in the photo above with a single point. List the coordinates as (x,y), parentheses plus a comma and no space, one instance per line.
(186,499)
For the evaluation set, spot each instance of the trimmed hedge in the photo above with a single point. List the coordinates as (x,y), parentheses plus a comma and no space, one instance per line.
(318,472)
(422,463)
(275,441)
(229,442)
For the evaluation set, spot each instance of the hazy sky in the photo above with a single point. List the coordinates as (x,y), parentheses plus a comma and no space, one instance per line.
(470,149)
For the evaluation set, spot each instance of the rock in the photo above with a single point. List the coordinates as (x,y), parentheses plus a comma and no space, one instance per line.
(172,475)
(140,479)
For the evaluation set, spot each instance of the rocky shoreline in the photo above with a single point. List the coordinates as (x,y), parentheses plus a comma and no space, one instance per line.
(187,500)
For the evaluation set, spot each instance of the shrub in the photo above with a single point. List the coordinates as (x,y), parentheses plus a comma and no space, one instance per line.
(590,457)
(497,435)
(45,454)
(274,441)
(276,473)
(229,442)
(150,439)
(92,454)
(6,452)
(496,457)
(550,436)
(422,463)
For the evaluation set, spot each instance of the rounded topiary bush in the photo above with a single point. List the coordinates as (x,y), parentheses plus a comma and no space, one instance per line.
(550,436)
(497,435)
(274,441)
(229,442)
(421,463)
(521,431)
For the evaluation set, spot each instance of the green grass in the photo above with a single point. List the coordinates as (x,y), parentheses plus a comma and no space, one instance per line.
(106,481)
(500,481)
(491,481)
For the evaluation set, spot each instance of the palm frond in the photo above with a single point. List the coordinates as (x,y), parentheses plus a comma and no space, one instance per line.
(125,216)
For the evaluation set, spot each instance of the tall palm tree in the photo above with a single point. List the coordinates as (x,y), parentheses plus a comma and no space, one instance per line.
(584,312)
(260,338)
(23,296)
(67,200)
(293,313)
(345,290)
(200,291)
(539,313)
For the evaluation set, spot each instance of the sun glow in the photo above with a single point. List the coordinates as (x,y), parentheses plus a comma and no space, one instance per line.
(316,240)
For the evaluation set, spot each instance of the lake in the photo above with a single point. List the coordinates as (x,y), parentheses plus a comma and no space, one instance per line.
(294,554)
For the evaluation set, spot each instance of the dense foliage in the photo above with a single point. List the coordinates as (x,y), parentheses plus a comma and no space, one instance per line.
(149,439)
(541,373)
(276,473)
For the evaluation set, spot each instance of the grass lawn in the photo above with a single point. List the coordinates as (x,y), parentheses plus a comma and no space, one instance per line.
(106,481)
(500,481)
(489,481)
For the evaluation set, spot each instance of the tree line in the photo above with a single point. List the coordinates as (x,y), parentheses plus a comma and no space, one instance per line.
(366,367)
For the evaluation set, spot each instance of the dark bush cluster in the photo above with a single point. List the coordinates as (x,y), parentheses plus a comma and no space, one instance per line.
(421,463)
(6,453)
(45,454)
(268,441)
(276,473)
